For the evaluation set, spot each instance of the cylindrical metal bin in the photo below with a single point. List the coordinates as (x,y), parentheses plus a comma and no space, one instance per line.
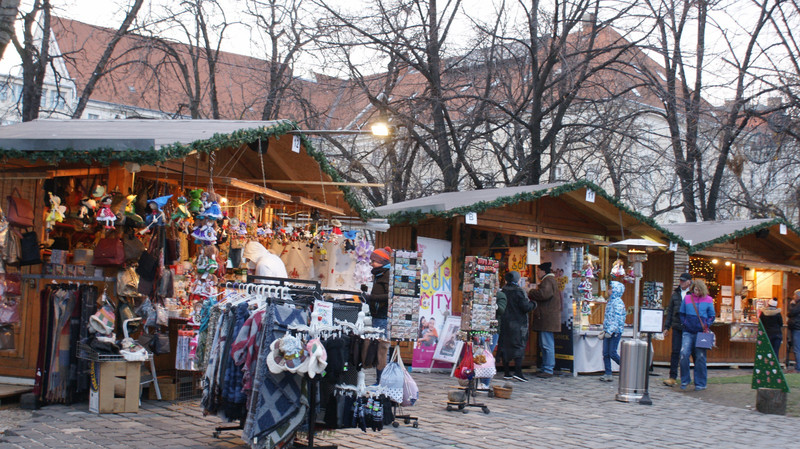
(632,370)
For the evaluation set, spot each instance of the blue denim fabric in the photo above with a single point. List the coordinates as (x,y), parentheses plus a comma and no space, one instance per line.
(610,345)
(796,348)
(776,341)
(548,347)
(688,348)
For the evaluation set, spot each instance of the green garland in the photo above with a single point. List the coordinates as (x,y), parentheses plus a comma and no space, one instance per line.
(742,233)
(414,217)
(106,156)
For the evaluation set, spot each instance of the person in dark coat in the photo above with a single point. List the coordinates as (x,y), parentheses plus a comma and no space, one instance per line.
(772,320)
(547,319)
(514,326)
(378,301)
(794,326)
(672,322)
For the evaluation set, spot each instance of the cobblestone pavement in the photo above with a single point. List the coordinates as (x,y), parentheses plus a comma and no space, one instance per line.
(543,413)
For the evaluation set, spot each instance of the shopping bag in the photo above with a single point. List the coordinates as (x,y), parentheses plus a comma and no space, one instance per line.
(486,370)
(392,378)
(705,340)
(466,367)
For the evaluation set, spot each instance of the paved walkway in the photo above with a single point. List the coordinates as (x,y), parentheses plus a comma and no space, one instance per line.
(554,413)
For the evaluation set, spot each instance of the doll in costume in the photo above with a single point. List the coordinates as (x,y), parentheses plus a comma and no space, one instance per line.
(155,214)
(588,267)
(618,270)
(56,214)
(104,214)
(181,215)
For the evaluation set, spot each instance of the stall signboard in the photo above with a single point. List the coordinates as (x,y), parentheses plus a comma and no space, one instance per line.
(436,294)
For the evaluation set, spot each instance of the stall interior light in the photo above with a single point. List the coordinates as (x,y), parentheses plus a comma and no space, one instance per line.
(714,261)
(727,263)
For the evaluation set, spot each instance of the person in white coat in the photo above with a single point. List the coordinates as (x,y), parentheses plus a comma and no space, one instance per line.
(263,262)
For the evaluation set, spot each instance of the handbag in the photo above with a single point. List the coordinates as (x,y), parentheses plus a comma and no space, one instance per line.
(160,343)
(132,248)
(20,211)
(109,253)
(705,339)
(11,255)
(9,311)
(29,252)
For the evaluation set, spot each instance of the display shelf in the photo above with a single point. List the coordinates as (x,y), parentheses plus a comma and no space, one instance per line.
(70,278)
(86,352)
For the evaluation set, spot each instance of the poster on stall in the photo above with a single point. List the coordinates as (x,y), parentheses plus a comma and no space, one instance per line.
(434,304)
(518,261)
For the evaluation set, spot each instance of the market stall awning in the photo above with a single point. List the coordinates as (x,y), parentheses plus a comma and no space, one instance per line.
(252,152)
(760,241)
(603,209)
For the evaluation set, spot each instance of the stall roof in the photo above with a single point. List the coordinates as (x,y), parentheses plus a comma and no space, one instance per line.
(760,235)
(150,142)
(459,203)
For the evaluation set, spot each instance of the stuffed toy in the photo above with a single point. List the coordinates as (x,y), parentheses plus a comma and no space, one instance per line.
(588,267)
(195,204)
(618,269)
(88,206)
(105,215)
(57,211)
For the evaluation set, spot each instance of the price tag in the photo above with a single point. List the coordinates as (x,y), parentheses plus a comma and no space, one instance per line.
(590,195)
(472,218)
(296,143)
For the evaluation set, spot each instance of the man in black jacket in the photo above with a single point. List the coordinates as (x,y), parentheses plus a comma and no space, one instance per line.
(673,322)
(794,327)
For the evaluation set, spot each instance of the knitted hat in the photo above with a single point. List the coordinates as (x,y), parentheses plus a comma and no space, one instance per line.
(317,358)
(773,302)
(512,277)
(381,255)
(546,267)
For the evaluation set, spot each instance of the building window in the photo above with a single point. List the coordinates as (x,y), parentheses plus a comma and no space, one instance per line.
(93,116)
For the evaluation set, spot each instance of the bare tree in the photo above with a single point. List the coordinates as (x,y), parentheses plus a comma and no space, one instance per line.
(35,56)
(8,15)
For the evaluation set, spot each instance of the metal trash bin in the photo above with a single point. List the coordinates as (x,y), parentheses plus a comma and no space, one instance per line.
(632,370)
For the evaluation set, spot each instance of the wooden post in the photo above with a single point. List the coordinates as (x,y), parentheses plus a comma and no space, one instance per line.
(771,401)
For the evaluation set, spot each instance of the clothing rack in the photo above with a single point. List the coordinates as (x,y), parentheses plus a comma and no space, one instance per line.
(301,287)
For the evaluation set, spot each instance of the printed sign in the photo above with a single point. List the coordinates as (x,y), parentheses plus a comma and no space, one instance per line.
(435,300)
(472,218)
(296,144)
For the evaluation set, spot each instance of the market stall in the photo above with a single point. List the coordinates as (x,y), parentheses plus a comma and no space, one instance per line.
(95,195)
(745,263)
(567,224)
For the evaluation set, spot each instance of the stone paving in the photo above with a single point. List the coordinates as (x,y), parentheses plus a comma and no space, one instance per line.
(562,412)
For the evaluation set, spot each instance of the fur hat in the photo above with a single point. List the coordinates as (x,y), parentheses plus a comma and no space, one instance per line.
(512,276)
(381,255)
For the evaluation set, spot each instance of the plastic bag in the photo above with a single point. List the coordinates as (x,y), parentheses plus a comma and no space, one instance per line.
(410,389)
(392,378)
(466,367)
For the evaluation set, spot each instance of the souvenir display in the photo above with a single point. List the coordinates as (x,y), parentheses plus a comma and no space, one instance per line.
(481,283)
(406,273)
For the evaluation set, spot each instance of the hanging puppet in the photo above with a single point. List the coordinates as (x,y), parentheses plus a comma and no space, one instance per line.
(104,214)
(195,203)
(155,214)
(181,215)
(57,211)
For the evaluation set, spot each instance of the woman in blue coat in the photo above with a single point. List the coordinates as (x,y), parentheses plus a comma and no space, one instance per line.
(697,314)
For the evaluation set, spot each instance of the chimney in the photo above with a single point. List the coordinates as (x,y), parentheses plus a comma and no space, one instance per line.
(774,103)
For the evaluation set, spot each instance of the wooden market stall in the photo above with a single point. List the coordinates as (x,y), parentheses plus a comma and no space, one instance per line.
(242,161)
(745,264)
(568,221)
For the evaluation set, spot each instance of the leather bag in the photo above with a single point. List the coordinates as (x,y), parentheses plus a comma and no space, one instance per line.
(20,210)
(29,251)
(109,253)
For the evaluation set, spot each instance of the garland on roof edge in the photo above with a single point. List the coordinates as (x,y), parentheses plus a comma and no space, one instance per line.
(106,156)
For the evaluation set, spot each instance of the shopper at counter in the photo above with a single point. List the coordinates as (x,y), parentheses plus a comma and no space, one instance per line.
(672,321)
(697,314)
(514,326)
(262,262)
(547,318)
(613,325)
(772,320)
(794,325)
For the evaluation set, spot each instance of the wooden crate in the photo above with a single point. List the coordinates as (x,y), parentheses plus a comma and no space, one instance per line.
(118,388)
(168,387)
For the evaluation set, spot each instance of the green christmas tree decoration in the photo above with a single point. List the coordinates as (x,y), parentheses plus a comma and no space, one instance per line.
(767,371)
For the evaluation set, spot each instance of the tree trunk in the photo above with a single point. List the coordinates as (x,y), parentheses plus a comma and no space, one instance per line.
(771,401)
